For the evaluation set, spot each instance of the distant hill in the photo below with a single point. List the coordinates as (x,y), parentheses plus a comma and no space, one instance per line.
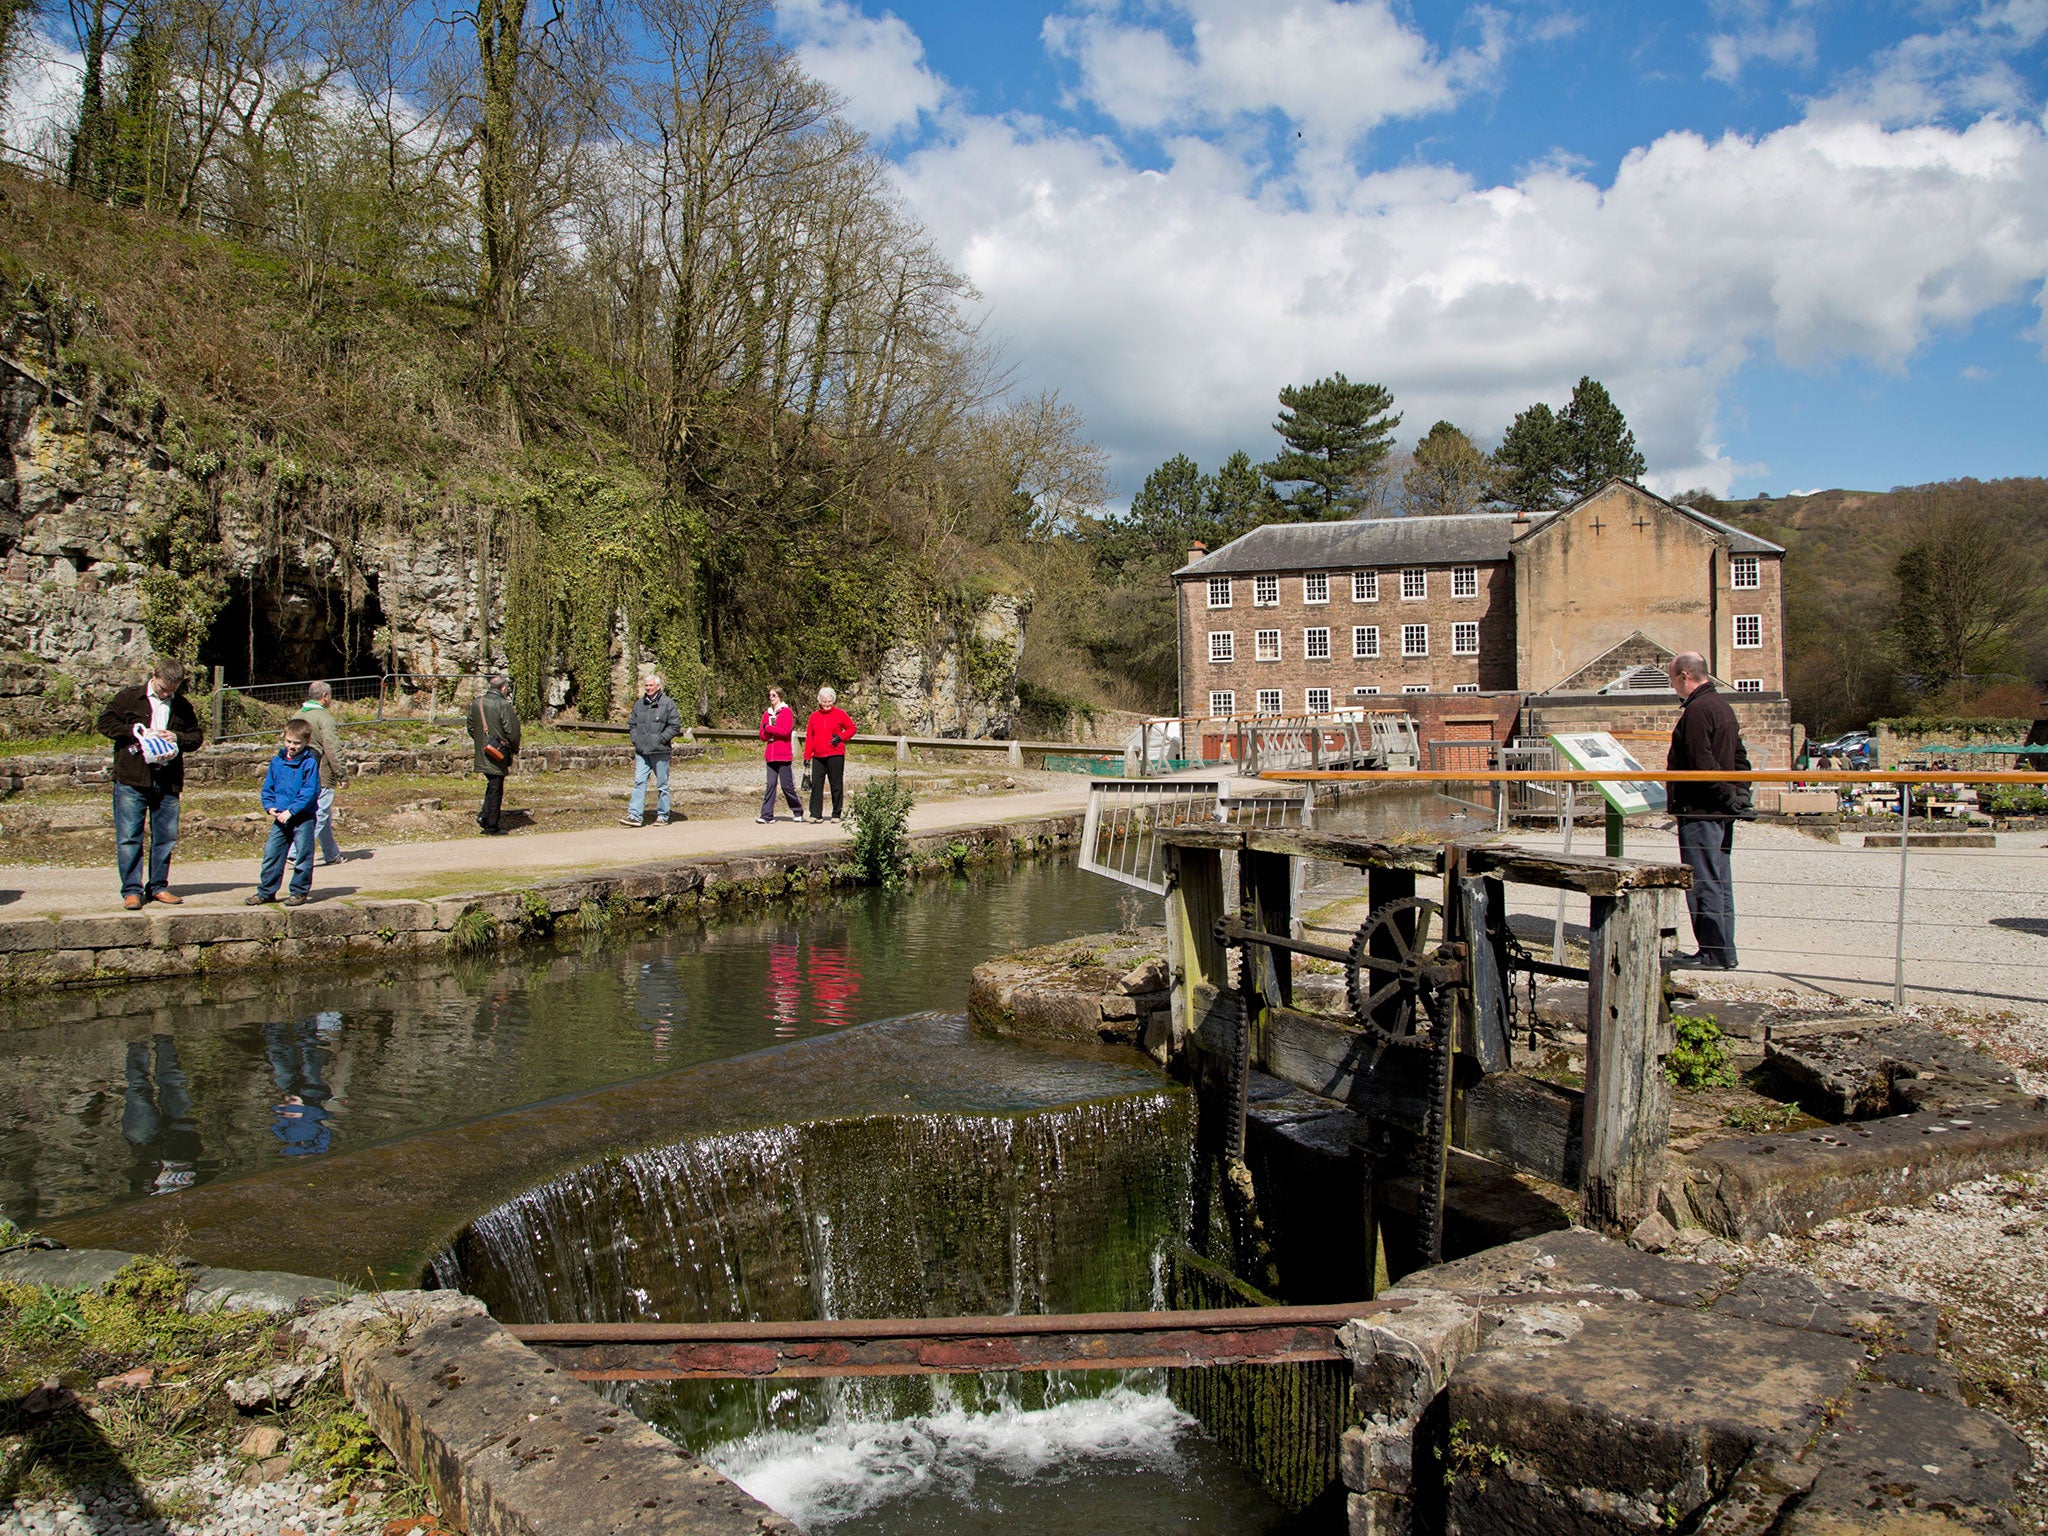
(1840,548)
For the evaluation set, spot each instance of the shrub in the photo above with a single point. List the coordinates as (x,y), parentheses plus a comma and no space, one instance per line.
(879,814)
(474,932)
(2013,800)
(1698,1058)
(536,919)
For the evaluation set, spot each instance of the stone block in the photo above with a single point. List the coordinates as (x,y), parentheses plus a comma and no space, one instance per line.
(1571,1261)
(117,932)
(1378,1514)
(1785,1298)
(446,910)
(48,967)
(205,927)
(400,916)
(24,935)
(325,920)
(1115,1006)
(1147,977)
(1378,1458)
(1905,1462)
(1849,1074)
(143,964)
(1401,1360)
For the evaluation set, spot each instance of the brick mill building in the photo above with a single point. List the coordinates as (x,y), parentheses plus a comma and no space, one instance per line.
(1491,625)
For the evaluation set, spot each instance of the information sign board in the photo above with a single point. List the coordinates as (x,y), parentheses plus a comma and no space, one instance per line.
(1595,750)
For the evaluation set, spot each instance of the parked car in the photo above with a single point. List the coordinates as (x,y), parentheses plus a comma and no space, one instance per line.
(1852,746)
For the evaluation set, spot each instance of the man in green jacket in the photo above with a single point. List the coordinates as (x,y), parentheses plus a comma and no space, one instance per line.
(494,727)
(333,767)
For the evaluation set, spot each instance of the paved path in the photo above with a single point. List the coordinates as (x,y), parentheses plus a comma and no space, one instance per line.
(481,863)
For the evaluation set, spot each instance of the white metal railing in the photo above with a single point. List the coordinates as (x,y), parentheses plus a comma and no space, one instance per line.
(1254,744)
(1120,832)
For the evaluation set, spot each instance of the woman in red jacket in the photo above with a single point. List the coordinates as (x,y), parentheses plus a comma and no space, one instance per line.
(778,724)
(826,734)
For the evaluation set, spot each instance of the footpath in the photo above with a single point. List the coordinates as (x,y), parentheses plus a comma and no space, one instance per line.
(451,866)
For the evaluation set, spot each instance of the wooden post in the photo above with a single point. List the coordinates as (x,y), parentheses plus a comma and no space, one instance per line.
(1016,755)
(1628,1101)
(1613,832)
(902,749)
(1383,886)
(1194,900)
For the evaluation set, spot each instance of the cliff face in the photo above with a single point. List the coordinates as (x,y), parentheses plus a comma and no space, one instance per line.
(85,502)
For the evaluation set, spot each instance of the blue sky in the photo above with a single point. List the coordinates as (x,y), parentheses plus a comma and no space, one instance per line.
(1804,242)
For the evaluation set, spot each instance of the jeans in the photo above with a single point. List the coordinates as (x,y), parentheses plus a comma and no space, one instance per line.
(323,828)
(643,765)
(130,806)
(297,834)
(822,770)
(1704,845)
(779,776)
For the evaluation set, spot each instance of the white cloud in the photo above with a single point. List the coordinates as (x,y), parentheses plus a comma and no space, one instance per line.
(1961,70)
(42,95)
(1789,42)
(876,64)
(1335,70)
(1171,304)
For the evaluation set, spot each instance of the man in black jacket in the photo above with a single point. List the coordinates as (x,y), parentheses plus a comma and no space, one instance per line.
(1706,736)
(152,726)
(652,727)
(494,727)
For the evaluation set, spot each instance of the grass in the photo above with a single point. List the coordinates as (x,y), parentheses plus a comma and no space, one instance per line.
(93,1434)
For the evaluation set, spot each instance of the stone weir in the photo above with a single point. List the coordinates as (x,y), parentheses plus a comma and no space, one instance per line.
(38,952)
(388,1213)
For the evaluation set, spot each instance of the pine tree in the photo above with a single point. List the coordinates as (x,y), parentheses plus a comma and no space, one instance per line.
(1449,475)
(1239,500)
(1170,509)
(1599,446)
(1530,460)
(1336,433)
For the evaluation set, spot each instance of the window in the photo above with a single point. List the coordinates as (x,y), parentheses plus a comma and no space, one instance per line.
(1265,591)
(1315,644)
(1465,581)
(1415,687)
(1223,702)
(1414,584)
(1219,591)
(1744,574)
(1464,639)
(1414,639)
(1315,587)
(1749,631)
(1364,691)
(1365,641)
(1466,688)
(1365,586)
(1319,701)
(1222,645)
(1749,685)
(1266,645)
(1269,701)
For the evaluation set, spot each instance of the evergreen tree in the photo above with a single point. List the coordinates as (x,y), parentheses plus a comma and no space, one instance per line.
(1599,446)
(1336,433)
(1530,460)
(1449,475)
(1239,500)
(1170,509)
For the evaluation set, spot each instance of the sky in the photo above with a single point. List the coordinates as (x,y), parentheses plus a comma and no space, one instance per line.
(1804,243)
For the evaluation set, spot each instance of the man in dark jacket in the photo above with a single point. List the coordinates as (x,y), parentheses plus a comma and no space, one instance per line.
(494,727)
(1706,736)
(653,725)
(152,726)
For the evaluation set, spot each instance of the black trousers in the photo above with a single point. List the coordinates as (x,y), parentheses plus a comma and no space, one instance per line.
(494,801)
(823,768)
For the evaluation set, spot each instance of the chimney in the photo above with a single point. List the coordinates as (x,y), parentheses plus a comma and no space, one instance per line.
(1196,549)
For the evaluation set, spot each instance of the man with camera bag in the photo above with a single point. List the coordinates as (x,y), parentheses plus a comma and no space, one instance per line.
(494,727)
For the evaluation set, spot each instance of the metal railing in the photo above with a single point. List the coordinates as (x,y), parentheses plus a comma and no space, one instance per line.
(1267,743)
(241,711)
(1120,831)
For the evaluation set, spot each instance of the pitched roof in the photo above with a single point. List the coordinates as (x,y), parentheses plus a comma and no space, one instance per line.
(1468,539)
(1740,541)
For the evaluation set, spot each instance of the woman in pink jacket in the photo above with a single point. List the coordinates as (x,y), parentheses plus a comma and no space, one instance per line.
(778,724)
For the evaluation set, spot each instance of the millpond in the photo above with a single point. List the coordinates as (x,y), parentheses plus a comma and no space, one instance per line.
(780,1114)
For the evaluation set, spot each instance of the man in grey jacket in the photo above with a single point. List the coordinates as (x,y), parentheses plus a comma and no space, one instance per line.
(653,725)
(333,768)
(494,727)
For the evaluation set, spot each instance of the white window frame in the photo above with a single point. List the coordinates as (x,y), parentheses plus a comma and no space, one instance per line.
(1465,688)
(1365,642)
(1467,630)
(1749,685)
(1265,591)
(1315,635)
(1753,623)
(1315,587)
(1411,633)
(1365,586)
(1317,701)
(1365,690)
(1222,647)
(1222,702)
(1464,581)
(1270,701)
(1420,584)
(1415,687)
(1745,573)
(1219,586)
(1266,645)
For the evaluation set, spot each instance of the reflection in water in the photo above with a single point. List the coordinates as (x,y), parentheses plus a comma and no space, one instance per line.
(156,1115)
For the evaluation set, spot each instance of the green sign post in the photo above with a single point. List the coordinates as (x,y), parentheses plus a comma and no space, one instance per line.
(1597,750)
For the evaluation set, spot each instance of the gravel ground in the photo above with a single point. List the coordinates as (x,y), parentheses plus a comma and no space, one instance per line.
(208,1501)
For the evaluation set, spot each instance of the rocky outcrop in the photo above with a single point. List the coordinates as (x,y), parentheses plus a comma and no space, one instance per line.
(962,681)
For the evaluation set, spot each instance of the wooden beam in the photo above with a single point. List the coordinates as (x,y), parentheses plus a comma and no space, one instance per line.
(1591,873)
(1420,858)
(1484,900)
(1628,1037)
(1524,1123)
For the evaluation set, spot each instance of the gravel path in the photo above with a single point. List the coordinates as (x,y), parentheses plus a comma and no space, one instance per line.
(208,1501)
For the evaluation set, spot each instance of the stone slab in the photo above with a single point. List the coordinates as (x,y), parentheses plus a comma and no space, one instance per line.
(116,932)
(1909,1464)
(1847,1074)
(1747,1187)
(1785,1298)
(21,934)
(1577,1260)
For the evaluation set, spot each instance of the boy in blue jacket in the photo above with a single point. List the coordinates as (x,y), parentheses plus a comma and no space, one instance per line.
(291,795)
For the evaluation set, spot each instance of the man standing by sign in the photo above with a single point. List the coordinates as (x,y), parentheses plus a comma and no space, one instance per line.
(1706,737)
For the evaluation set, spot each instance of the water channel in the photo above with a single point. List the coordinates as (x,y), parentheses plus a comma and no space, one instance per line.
(945,1173)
